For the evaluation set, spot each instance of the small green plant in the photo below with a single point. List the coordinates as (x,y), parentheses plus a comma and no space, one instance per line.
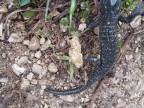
(85,10)
(41,33)
(29,14)
(128,5)
(21,3)
(49,17)
(119,41)
(64,22)
(71,65)
(24,2)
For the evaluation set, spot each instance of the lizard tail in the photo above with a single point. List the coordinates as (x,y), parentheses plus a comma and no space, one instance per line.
(66,92)
(96,76)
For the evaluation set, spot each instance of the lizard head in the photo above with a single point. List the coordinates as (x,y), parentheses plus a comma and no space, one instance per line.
(110,5)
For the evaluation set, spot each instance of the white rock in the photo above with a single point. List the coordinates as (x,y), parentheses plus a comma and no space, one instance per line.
(129,57)
(142,18)
(34,43)
(26,42)
(52,67)
(4,80)
(68,98)
(3,55)
(18,70)
(42,41)
(136,22)
(32,55)
(34,82)
(23,60)
(30,76)
(38,62)
(31,97)
(15,38)
(62,44)
(1,31)
(82,27)
(38,54)
(137,50)
(42,89)
(37,69)
(44,71)
(3,9)
(25,84)
(46,45)
(46,106)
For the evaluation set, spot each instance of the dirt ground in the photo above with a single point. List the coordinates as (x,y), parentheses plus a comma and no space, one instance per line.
(25,73)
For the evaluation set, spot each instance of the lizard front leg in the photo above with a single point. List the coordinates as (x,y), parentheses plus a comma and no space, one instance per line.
(139,10)
(93,59)
(94,24)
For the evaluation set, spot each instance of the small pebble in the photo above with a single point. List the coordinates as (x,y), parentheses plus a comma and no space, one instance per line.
(34,82)
(68,98)
(38,54)
(46,106)
(4,80)
(23,60)
(42,41)
(129,57)
(2,37)
(3,9)
(26,42)
(46,45)
(38,62)
(43,73)
(25,84)
(136,22)
(3,55)
(62,44)
(34,43)
(52,67)
(18,70)
(30,76)
(137,50)
(82,26)
(15,38)
(37,69)
(42,89)
(142,18)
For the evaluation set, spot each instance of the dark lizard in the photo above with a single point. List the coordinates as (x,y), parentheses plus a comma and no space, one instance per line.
(110,15)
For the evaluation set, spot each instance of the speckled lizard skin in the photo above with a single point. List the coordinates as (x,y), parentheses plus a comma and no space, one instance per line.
(108,42)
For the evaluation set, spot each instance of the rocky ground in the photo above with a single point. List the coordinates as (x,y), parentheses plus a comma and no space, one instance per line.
(29,64)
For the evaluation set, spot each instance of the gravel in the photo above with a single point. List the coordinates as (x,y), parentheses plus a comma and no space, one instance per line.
(18,70)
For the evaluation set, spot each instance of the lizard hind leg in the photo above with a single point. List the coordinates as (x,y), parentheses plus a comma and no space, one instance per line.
(139,10)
